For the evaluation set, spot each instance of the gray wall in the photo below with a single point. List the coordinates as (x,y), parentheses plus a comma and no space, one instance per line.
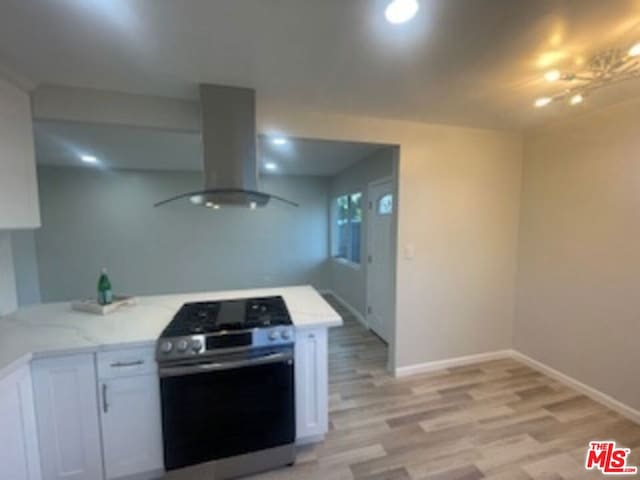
(95,218)
(25,262)
(579,268)
(8,298)
(348,281)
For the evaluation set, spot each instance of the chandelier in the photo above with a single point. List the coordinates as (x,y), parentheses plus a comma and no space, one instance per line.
(604,69)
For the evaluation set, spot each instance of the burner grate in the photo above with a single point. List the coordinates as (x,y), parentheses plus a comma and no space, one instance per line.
(208,317)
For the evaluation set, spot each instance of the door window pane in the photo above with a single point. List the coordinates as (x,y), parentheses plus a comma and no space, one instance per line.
(385,204)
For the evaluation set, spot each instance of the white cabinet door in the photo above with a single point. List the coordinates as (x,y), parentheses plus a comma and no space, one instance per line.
(19,207)
(19,458)
(29,426)
(67,417)
(131,427)
(312,384)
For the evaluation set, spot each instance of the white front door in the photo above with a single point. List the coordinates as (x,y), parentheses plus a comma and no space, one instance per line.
(380,259)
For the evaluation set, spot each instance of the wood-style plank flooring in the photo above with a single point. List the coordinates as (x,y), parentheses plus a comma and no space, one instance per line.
(498,420)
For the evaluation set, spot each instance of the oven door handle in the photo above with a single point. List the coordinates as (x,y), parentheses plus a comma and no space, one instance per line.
(181,370)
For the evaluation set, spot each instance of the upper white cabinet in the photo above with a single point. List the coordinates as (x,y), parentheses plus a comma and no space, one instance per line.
(130,414)
(312,384)
(18,183)
(67,415)
(19,457)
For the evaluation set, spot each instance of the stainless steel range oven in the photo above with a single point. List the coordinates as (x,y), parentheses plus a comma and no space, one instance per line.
(228,401)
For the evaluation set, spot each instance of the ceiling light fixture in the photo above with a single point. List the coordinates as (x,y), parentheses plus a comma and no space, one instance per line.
(602,70)
(552,75)
(279,141)
(89,159)
(271,166)
(543,101)
(401,11)
(576,99)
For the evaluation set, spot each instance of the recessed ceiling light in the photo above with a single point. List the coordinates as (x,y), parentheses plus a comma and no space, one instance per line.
(253,205)
(271,166)
(401,11)
(552,75)
(576,99)
(88,159)
(543,101)
(279,141)
(635,50)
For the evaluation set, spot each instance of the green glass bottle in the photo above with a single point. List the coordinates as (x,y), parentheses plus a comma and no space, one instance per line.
(105,295)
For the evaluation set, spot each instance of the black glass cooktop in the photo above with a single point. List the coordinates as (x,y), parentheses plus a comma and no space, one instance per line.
(209,317)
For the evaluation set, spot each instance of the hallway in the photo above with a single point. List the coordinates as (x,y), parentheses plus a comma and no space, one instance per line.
(355,354)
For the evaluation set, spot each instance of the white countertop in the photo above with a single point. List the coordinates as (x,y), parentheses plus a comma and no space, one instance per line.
(54,328)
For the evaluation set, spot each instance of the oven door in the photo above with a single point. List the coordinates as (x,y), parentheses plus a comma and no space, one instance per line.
(235,405)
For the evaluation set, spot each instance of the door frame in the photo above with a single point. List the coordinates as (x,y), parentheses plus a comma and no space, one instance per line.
(369,212)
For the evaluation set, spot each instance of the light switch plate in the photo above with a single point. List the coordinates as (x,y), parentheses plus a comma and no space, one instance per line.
(409,251)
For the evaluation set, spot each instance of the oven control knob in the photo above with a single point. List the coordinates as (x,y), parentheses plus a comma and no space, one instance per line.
(196,345)
(182,345)
(166,347)
(286,334)
(273,336)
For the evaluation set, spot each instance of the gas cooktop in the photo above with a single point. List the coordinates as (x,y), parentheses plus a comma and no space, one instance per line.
(209,317)
(206,327)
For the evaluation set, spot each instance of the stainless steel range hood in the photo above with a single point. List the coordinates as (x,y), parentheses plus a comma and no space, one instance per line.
(229,146)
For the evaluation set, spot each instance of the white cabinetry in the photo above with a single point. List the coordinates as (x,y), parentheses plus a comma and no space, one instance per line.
(18,184)
(67,416)
(130,414)
(19,456)
(312,384)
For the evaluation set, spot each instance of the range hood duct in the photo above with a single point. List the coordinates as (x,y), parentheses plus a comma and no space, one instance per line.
(229,147)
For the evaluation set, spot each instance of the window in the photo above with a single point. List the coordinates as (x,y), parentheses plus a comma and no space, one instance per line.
(347,225)
(385,204)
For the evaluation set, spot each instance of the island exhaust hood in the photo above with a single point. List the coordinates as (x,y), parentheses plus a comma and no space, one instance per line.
(229,147)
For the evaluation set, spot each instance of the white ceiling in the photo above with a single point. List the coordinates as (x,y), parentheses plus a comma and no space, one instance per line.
(469,62)
(62,144)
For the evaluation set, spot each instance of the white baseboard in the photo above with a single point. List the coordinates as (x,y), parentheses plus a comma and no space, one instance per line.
(309,440)
(348,306)
(451,362)
(600,397)
(593,393)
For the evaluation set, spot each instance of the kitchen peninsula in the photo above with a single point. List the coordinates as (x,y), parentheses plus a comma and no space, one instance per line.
(83,367)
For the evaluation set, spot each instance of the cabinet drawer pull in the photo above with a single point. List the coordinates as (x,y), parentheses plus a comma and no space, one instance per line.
(312,335)
(105,405)
(127,364)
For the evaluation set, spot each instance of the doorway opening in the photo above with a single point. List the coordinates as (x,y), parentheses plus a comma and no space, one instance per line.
(363,225)
(340,239)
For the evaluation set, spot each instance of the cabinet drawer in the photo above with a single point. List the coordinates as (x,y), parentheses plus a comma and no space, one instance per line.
(126,362)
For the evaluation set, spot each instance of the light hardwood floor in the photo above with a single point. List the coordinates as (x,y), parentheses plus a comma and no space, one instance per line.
(497,420)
